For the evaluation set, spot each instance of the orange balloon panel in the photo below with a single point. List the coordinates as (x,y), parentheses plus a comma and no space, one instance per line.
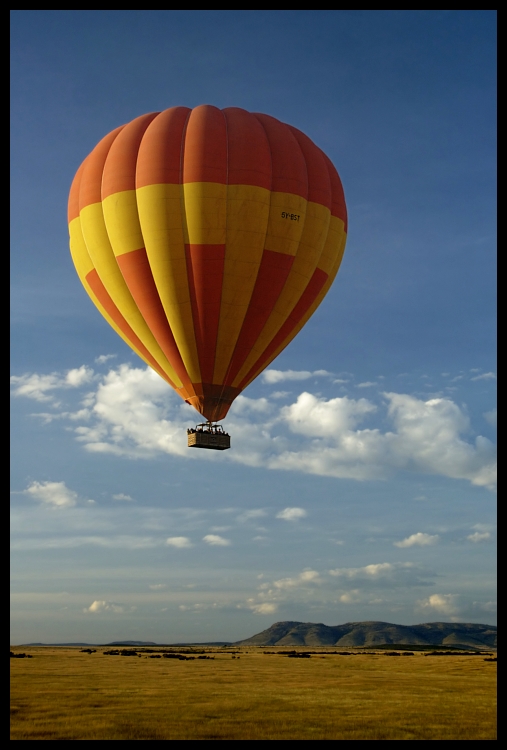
(207,238)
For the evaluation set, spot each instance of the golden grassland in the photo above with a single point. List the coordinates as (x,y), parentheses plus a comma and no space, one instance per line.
(245,694)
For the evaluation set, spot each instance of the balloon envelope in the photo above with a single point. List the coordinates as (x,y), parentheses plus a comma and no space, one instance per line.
(207,238)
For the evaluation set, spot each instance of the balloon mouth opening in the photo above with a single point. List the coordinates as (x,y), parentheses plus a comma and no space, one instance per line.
(214,401)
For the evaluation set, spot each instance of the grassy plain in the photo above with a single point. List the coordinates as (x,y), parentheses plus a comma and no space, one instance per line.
(63,694)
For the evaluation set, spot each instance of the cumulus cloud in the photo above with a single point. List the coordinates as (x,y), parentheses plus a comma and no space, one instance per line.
(351,597)
(243,405)
(443,603)
(121,496)
(428,435)
(366,384)
(104,358)
(55,494)
(292,514)
(100,606)
(276,376)
(479,536)
(34,386)
(317,417)
(301,585)
(385,574)
(419,539)
(485,376)
(133,413)
(215,540)
(180,542)
(38,387)
(303,579)
(375,570)
(264,608)
(79,376)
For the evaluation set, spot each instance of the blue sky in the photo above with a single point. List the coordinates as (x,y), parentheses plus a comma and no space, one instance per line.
(361,482)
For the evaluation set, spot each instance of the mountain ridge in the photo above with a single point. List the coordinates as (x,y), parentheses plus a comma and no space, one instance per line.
(367,633)
(371,633)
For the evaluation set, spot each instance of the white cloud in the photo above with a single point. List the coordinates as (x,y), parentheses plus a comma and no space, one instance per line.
(243,405)
(351,597)
(38,386)
(479,537)
(419,539)
(121,496)
(56,494)
(485,376)
(385,574)
(428,435)
(215,540)
(130,408)
(442,603)
(35,386)
(104,358)
(99,606)
(79,376)
(157,586)
(366,384)
(133,413)
(265,608)
(292,514)
(276,376)
(375,570)
(303,579)
(270,594)
(180,542)
(317,417)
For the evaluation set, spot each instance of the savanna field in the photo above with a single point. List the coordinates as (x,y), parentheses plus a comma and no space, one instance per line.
(65,693)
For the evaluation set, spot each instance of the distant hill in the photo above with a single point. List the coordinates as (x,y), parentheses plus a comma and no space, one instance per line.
(131,643)
(134,643)
(55,644)
(371,634)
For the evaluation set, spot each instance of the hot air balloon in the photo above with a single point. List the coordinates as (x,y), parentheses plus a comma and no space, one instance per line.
(207,238)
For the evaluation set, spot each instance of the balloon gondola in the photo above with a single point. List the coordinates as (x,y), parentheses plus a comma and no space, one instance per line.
(209,435)
(207,238)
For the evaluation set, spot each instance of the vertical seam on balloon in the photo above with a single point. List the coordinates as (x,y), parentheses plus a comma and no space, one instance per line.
(227,372)
(101,205)
(302,230)
(164,316)
(225,250)
(329,225)
(185,234)
(121,270)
